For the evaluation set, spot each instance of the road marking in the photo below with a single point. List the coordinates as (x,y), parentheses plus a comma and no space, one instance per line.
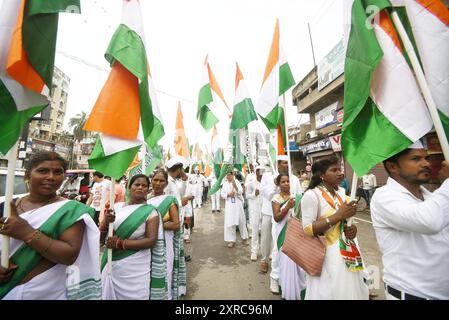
(363,220)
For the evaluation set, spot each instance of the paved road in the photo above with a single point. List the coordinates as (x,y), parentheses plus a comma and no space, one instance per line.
(219,273)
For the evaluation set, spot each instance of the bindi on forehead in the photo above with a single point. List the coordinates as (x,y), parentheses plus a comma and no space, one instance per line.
(49,164)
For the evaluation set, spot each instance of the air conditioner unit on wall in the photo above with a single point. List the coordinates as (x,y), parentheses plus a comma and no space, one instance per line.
(311,134)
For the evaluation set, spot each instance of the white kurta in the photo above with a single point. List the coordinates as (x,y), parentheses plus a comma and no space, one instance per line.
(234,213)
(255,210)
(413,236)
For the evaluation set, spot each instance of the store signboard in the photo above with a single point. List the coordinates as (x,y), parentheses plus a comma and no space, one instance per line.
(317,146)
(336,142)
(326,116)
(332,66)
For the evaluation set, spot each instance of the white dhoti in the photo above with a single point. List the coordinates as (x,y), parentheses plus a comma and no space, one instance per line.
(255,218)
(215,198)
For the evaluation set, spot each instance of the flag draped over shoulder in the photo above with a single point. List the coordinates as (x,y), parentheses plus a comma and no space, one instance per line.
(126,112)
(181,145)
(277,80)
(384,110)
(28,32)
(429,22)
(227,167)
(207,98)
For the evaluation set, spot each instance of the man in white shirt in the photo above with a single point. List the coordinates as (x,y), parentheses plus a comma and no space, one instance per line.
(175,170)
(412,228)
(268,190)
(99,195)
(71,187)
(252,190)
(369,183)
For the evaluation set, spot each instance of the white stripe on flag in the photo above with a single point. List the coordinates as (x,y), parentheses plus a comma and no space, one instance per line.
(113,145)
(396,93)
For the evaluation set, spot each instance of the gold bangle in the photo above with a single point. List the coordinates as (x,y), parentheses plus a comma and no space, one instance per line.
(50,242)
(329,223)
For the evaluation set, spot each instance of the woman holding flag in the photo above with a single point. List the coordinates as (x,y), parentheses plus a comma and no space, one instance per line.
(291,277)
(169,209)
(136,228)
(324,211)
(54,241)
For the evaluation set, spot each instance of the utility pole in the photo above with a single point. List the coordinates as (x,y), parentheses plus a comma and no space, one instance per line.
(311,44)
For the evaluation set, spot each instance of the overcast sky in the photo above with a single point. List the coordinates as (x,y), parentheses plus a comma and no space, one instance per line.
(180,33)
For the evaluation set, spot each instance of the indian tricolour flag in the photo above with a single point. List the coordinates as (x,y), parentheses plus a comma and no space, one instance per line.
(126,111)
(207,98)
(28,31)
(384,110)
(277,80)
(429,21)
(242,115)
(181,144)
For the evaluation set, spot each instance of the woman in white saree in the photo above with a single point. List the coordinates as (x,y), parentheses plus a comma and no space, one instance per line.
(135,232)
(54,242)
(291,277)
(168,207)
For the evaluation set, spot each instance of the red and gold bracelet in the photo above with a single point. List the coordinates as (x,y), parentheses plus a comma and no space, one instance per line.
(36,234)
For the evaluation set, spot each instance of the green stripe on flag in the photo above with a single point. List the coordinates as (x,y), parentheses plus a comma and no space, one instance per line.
(204,115)
(218,160)
(39,31)
(11,120)
(114,165)
(128,48)
(368,137)
(445,120)
(243,114)
(148,120)
(286,80)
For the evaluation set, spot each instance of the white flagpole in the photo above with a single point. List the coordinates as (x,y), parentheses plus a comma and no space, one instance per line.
(111,225)
(287,140)
(423,85)
(353,193)
(144,158)
(12,156)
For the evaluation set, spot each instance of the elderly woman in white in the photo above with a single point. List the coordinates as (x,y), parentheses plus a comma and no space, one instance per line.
(232,192)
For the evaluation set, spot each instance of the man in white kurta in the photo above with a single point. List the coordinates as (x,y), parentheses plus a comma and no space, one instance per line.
(215,198)
(269,189)
(252,186)
(197,182)
(412,228)
(232,192)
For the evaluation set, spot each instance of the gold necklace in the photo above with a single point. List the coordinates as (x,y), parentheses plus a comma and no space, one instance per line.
(23,210)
